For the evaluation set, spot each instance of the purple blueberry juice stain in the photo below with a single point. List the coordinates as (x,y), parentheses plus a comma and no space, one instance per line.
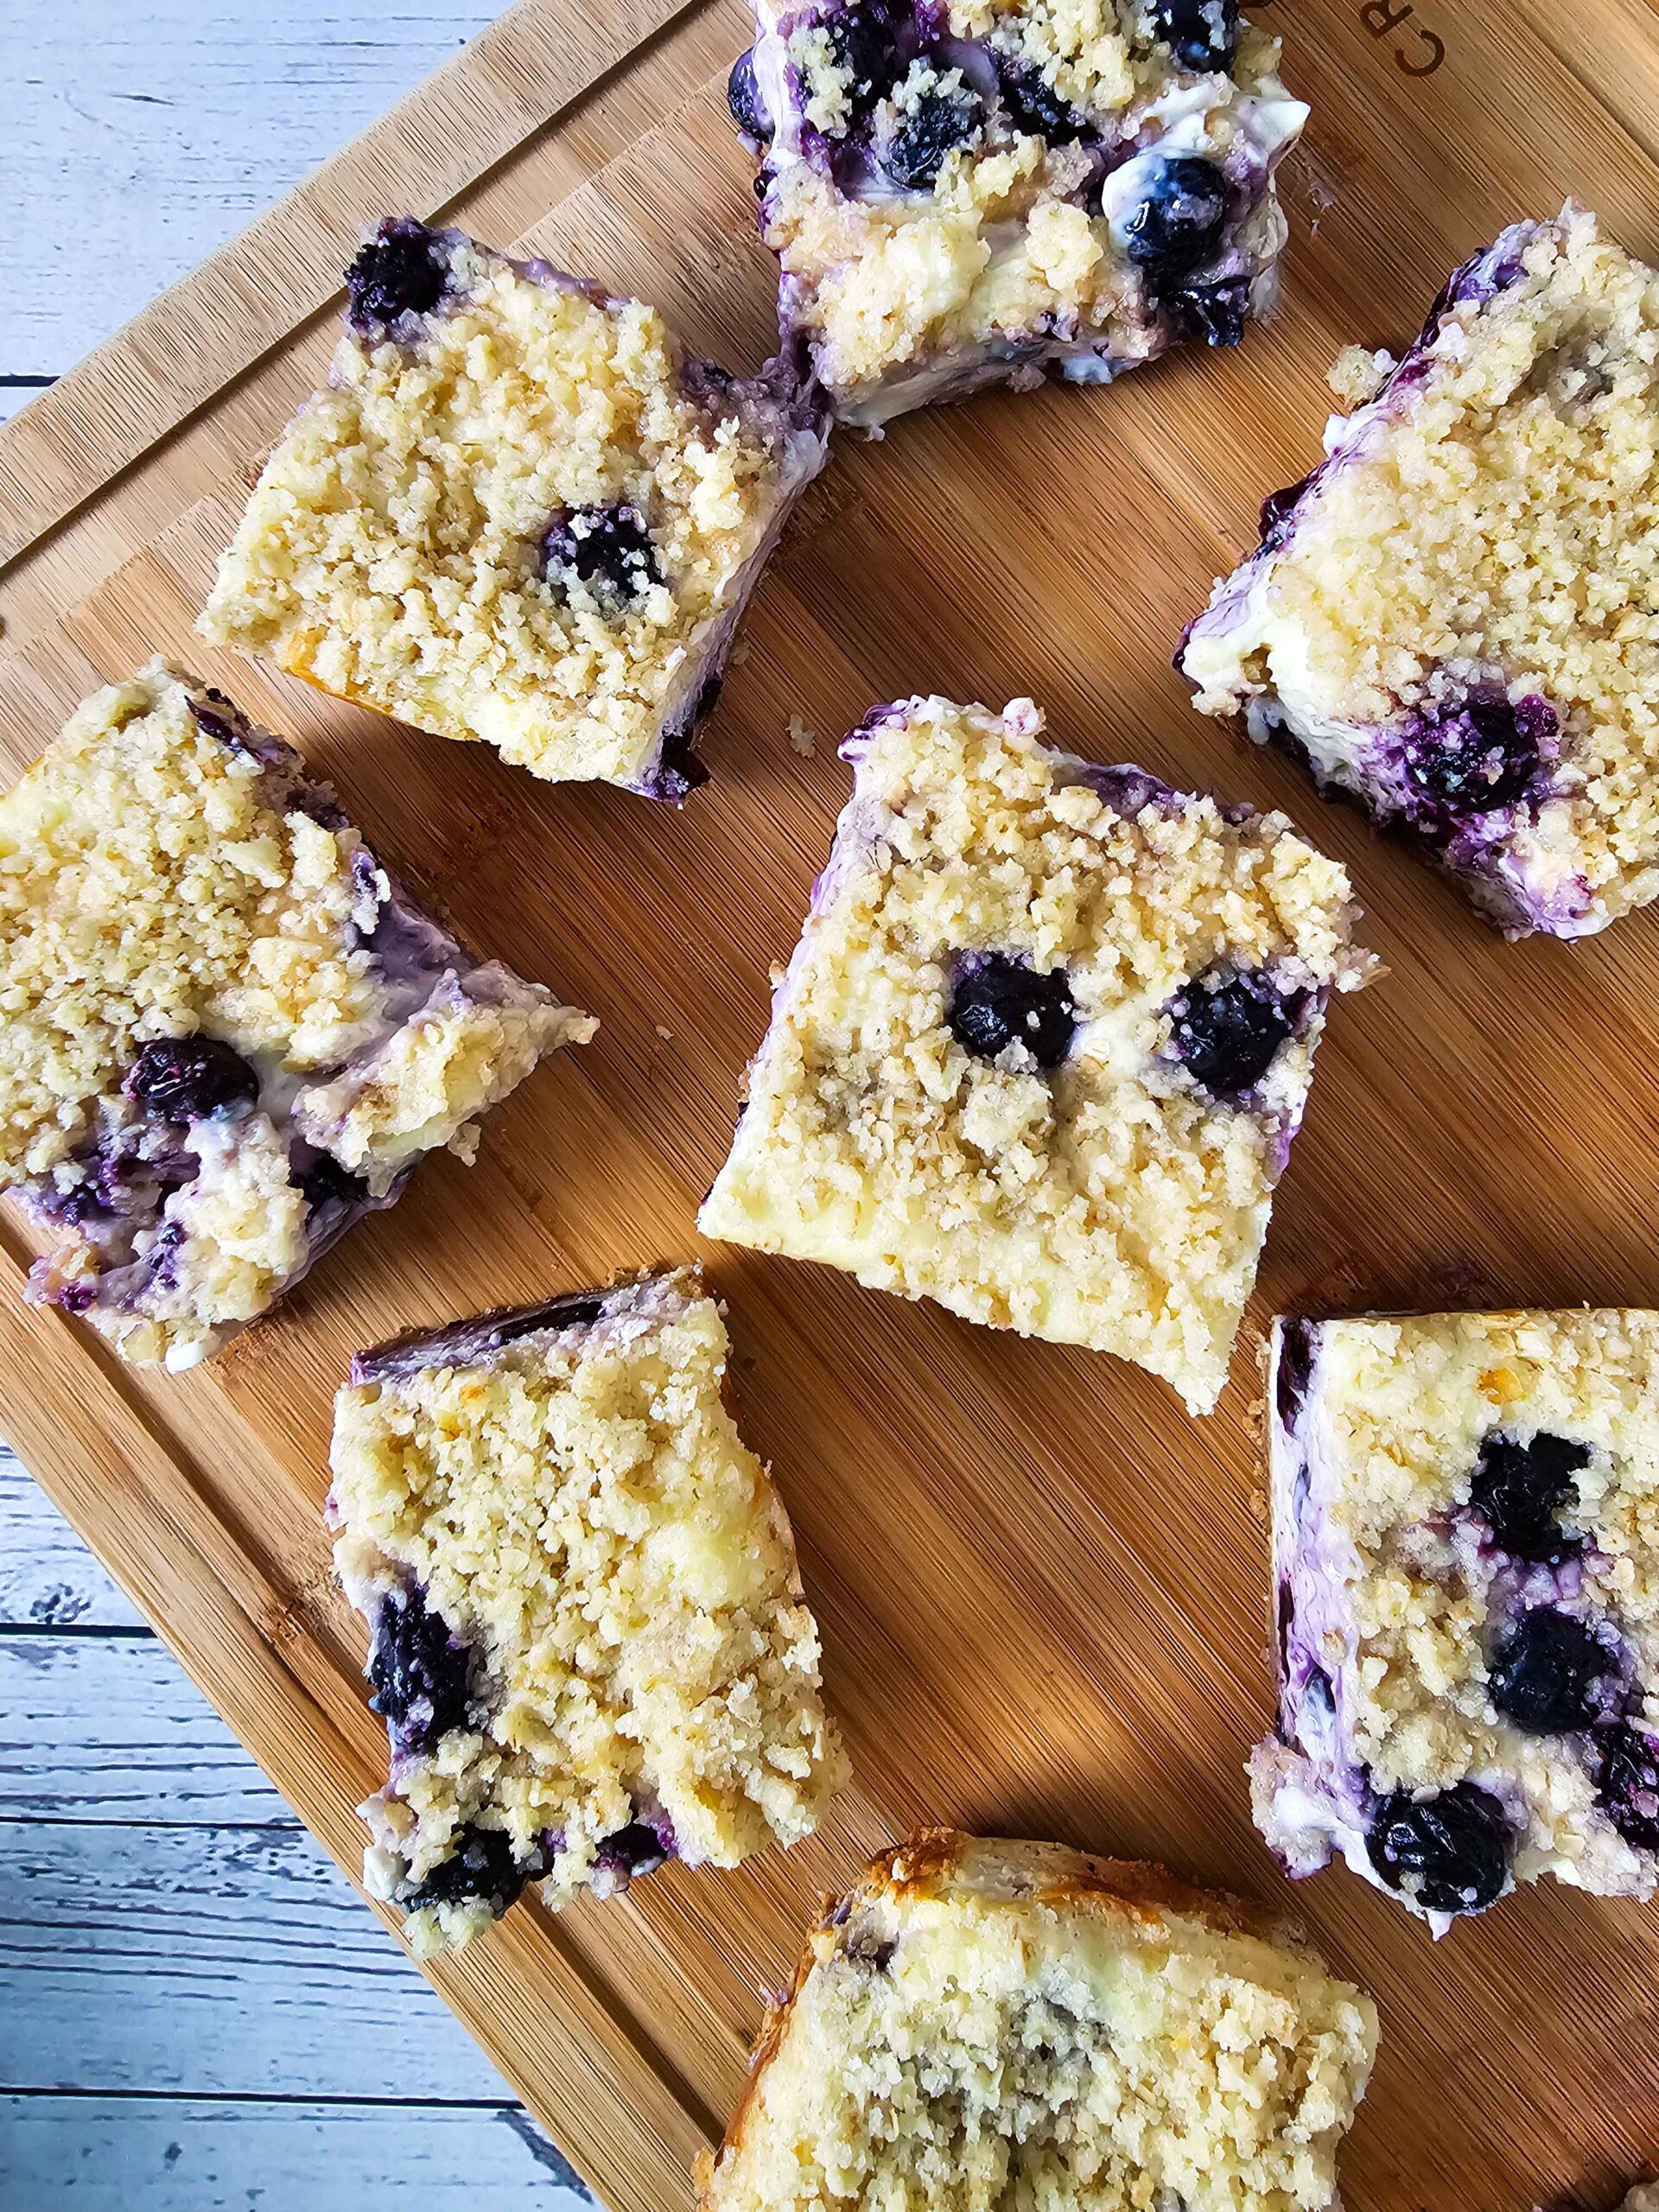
(1293,1369)
(743,98)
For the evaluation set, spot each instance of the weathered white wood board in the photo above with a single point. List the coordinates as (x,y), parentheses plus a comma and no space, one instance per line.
(104,1727)
(95,2154)
(136,135)
(48,1577)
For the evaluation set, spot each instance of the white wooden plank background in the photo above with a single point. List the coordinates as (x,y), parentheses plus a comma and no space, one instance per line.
(196,2011)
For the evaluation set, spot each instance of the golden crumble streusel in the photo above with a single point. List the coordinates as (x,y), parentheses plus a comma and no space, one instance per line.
(225,1031)
(517,513)
(1010,188)
(1458,616)
(1466,1538)
(590,1642)
(1044,1043)
(981,2023)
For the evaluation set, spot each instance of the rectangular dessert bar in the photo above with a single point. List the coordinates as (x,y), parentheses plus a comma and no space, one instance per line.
(994,191)
(589,1642)
(518,513)
(980,2023)
(1453,616)
(1044,1043)
(1465,1519)
(227,1030)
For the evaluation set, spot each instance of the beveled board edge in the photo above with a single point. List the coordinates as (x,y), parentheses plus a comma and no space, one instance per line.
(512,80)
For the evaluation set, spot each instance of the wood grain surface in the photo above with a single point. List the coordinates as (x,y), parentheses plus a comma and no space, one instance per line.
(1043,1588)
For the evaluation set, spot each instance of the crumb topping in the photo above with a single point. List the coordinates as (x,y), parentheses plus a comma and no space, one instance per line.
(1106,1202)
(394,552)
(579,1509)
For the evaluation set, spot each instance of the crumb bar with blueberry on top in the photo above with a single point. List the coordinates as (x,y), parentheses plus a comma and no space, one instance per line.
(1044,1043)
(589,1641)
(1452,617)
(969,192)
(981,2023)
(227,1030)
(519,513)
(1465,1523)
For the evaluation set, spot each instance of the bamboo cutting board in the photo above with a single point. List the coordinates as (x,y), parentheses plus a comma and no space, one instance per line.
(1042,1587)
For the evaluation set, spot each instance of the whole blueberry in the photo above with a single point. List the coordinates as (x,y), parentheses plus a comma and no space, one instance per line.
(1522,1488)
(610,548)
(1033,105)
(1293,1368)
(861,38)
(1178,220)
(1225,1030)
(1448,1853)
(1214,313)
(188,1078)
(912,152)
(325,1182)
(1200,34)
(401,270)
(634,1850)
(482,1866)
(743,98)
(1627,1783)
(1546,1671)
(419,1673)
(1483,754)
(998,1000)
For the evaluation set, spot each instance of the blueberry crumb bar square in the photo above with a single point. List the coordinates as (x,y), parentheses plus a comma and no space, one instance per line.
(227,1030)
(1465,1519)
(518,513)
(588,1639)
(986,2023)
(1044,1042)
(990,191)
(1452,617)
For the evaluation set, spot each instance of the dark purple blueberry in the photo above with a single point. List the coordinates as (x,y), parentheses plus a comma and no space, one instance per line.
(1448,1853)
(78,1297)
(633,1851)
(1521,1489)
(1178,219)
(580,1310)
(1034,106)
(226,724)
(912,152)
(1226,1030)
(1480,755)
(743,98)
(1216,313)
(1547,1670)
(1202,34)
(401,270)
(1279,506)
(866,1948)
(325,1182)
(610,548)
(419,1673)
(187,1078)
(1318,1694)
(998,1000)
(1627,1781)
(860,45)
(1284,1618)
(1293,1369)
(481,1866)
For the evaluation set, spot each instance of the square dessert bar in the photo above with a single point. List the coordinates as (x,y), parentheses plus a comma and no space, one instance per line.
(227,1030)
(981,2023)
(1452,617)
(1042,1049)
(1465,1523)
(990,191)
(518,513)
(589,1642)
